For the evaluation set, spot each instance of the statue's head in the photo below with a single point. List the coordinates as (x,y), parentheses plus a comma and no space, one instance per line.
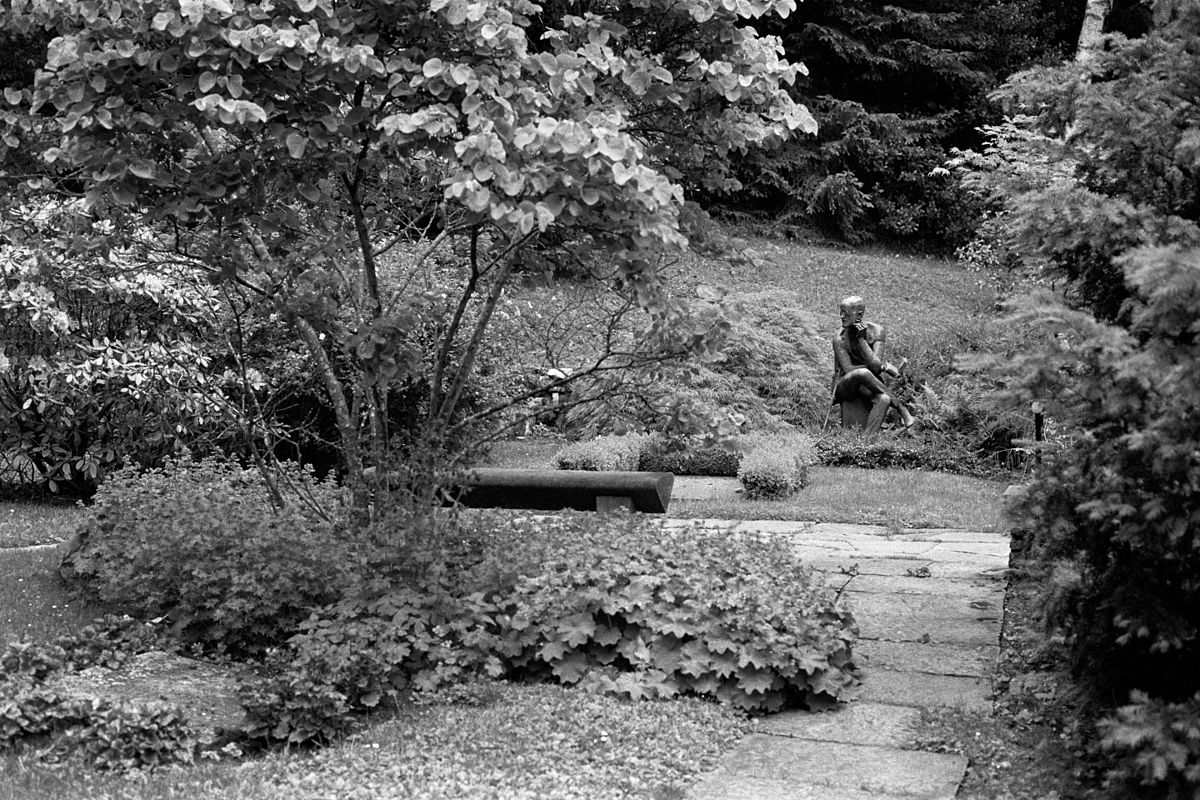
(851,310)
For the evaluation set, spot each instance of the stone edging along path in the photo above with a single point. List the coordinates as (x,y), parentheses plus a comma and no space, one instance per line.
(929,605)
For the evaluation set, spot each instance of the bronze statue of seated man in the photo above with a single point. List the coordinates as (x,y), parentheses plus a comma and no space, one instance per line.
(860,368)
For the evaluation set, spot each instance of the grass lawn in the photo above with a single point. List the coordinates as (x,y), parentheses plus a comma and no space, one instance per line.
(897,287)
(898,498)
(34,606)
(24,524)
(927,304)
(902,498)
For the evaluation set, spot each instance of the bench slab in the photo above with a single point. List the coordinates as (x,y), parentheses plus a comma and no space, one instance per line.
(556,489)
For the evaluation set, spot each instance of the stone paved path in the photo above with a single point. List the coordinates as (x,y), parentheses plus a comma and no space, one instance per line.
(929,605)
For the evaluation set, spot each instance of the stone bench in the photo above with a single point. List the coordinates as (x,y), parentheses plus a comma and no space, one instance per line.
(854,413)
(557,489)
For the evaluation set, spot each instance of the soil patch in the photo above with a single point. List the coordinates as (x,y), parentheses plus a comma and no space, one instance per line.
(205,693)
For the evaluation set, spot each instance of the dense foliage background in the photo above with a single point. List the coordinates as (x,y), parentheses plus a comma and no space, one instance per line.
(1096,183)
(895,86)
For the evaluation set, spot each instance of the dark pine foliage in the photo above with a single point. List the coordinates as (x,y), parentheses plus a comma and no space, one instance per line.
(894,85)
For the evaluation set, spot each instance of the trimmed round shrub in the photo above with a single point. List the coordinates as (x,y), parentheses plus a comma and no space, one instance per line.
(928,451)
(689,457)
(604,453)
(774,470)
(198,543)
(684,456)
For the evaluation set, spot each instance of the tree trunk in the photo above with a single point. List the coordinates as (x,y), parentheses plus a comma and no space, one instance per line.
(347,422)
(1091,35)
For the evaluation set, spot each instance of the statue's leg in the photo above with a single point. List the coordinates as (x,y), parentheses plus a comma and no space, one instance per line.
(861,386)
(879,407)
(859,383)
(906,417)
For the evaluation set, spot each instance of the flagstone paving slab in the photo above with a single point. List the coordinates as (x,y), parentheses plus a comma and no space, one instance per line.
(989,587)
(870,547)
(875,724)
(984,608)
(955,535)
(848,531)
(909,687)
(896,618)
(938,630)
(910,774)
(893,550)
(939,658)
(728,786)
(832,562)
(837,531)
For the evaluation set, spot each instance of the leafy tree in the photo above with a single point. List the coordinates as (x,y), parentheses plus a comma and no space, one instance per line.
(297,147)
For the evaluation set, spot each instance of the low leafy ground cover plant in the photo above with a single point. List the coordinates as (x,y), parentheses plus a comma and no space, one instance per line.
(197,543)
(569,744)
(640,611)
(612,603)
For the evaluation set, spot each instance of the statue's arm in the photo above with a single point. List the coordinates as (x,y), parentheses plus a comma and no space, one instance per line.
(877,350)
(871,352)
(841,359)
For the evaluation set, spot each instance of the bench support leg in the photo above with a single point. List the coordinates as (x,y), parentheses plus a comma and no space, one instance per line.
(605,503)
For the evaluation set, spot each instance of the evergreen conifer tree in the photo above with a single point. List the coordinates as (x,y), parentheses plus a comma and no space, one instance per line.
(894,85)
